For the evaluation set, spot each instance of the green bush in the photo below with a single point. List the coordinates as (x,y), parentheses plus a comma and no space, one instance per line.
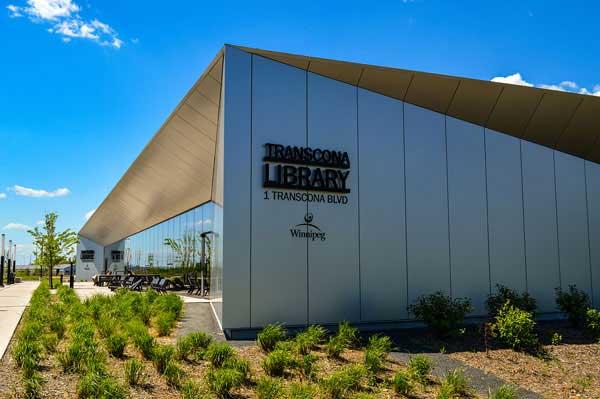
(116,344)
(163,354)
(402,383)
(134,372)
(420,367)
(556,339)
(269,388)
(440,312)
(574,303)
(173,374)
(522,301)
(455,384)
(380,343)
(373,360)
(277,362)
(193,345)
(270,336)
(218,353)
(516,328)
(592,318)
(504,392)
(344,381)
(222,381)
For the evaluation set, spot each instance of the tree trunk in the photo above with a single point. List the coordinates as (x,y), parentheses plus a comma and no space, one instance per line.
(50,276)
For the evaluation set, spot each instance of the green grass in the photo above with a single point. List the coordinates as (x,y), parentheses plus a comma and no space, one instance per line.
(134,372)
(269,336)
(420,367)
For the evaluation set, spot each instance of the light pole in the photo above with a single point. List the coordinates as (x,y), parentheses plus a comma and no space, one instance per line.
(14,262)
(2,262)
(8,263)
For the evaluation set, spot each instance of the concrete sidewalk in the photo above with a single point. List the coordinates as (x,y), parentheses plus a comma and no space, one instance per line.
(13,301)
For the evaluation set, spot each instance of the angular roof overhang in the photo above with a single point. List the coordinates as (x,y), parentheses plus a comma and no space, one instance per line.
(175,170)
(563,121)
(173,173)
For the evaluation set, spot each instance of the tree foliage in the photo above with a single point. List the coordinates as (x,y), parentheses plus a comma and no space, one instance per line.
(51,247)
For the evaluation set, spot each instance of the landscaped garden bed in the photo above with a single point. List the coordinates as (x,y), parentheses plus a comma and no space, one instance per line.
(124,346)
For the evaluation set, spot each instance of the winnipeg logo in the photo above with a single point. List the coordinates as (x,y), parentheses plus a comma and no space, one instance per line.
(308,230)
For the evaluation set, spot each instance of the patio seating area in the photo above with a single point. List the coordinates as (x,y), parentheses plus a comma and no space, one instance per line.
(190,283)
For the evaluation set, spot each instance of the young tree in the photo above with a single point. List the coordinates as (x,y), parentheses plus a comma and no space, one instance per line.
(52,248)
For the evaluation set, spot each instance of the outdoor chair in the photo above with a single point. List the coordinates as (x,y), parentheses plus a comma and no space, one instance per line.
(137,285)
(162,285)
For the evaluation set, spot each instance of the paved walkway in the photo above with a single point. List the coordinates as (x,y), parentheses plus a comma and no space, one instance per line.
(13,301)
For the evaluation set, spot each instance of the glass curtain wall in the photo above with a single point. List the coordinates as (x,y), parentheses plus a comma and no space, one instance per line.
(176,247)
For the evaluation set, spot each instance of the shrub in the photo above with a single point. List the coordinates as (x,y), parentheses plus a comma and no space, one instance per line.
(504,392)
(455,384)
(301,391)
(440,312)
(307,366)
(347,334)
(380,343)
(164,322)
(522,301)
(276,362)
(163,354)
(218,353)
(335,346)
(116,344)
(419,368)
(134,372)
(270,336)
(344,381)
(373,361)
(222,381)
(574,303)
(593,322)
(173,374)
(402,383)
(191,390)
(556,339)
(516,328)
(377,350)
(269,388)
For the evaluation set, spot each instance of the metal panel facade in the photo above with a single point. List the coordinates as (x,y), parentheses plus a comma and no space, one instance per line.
(468,213)
(279,266)
(426,202)
(333,286)
(382,209)
(593,201)
(541,240)
(505,211)
(236,189)
(571,204)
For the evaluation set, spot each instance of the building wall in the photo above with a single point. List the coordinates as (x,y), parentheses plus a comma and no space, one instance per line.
(85,270)
(436,203)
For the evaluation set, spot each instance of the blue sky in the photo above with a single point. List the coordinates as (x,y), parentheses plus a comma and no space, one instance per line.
(86,83)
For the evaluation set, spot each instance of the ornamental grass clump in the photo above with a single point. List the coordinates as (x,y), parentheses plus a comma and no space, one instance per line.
(134,372)
(193,346)
(593,322)
(173,374)
(343,382)
(309,339)
(164,322)
(420,367)
(301,391)
(222,381)
(218,353)
(161,356)
(402,383)
(269,336)
(440,312)
(574,303)
(269,388)
(455,385)
(115,344)
(504,392)
(277,361)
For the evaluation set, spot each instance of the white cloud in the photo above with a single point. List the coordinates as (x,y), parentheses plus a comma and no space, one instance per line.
(89,214)
(16,226)
(2,196)
(566,85)
(36,193)
(39,222)
(64,18)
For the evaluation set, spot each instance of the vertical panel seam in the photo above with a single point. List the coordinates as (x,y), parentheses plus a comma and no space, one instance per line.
(523,215)
(405,203)
(448,202)
(358,210)
(487,209)
(556,210)
(307,258)
(251,191)
(587,214)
